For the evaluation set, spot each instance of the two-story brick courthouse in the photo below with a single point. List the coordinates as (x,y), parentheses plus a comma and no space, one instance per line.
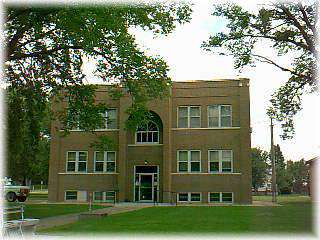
(198,150)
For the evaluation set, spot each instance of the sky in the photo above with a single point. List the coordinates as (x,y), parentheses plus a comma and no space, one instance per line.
(187,61)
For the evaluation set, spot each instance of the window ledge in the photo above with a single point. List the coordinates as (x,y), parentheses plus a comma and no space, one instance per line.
(145,145)
(213,128)
(204,173)
(96,130)
(86,173)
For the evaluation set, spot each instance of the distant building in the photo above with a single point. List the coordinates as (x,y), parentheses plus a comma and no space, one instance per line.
(312,163)
(197,150)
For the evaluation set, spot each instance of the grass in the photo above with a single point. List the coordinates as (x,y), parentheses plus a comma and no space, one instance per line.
(283,198)
(294,216)
(38,196)
(49,210)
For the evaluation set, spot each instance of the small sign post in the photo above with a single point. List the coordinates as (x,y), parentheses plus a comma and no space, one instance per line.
(90,201)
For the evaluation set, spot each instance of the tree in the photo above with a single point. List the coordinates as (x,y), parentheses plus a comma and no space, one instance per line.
(45,48)
(28,151)
(283,178)
(289,28)
(299,175)
(259,167)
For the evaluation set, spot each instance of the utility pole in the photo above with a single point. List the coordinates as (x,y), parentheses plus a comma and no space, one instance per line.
(274,183)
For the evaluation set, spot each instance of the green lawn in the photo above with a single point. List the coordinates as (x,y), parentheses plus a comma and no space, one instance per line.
(283,198)
(292,217)
(38,196)
(49,210)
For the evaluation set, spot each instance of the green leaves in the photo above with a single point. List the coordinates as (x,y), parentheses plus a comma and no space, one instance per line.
(103,143)
(259,167)
(44,58)
(287,27)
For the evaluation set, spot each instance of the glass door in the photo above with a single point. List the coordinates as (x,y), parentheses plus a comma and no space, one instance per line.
(146,187)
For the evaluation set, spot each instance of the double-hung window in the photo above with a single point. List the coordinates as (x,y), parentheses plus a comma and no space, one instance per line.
(189,117)
(77,161)
(189,161)
(189,197)
(71,195)
(110,119)
(220,197)
(219,116)
(220,161)
(101,196)
(105,161)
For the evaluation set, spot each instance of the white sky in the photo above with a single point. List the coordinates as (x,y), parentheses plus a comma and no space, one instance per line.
(187,61)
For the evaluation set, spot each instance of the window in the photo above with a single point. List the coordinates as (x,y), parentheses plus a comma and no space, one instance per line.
(195,161)
(109,196)
(189,197)
(183,197)
(219,116)
(220,161)
(227,197)
(77,161)
(148,133)
(195,197)
(220,197)
(73,119)
(105,161)
(182,161)
(189,117)
(214,197)
(226,161)
(189,161)
(98,196)
(71,195)
(110,121)
(214,161)
(82,162)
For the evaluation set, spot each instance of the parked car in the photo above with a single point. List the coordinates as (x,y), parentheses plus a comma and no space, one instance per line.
(14,191)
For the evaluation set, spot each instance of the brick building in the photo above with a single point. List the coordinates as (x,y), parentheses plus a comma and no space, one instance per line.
(196,150)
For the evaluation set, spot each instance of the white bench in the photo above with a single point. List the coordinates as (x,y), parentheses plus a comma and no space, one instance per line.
(16,228)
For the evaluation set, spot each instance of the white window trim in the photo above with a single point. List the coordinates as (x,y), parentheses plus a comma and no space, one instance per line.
(220,198)
(189,197)
(182,193)
(188,160)
(65,195)
(219,117)
(189,116)
(105,160)
(76,162)
(209,201)
(195,193)
(220,160)
(226,202)
(105,115)
(104,196)
(148,143)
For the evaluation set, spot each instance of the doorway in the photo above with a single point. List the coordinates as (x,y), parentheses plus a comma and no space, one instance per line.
(146,187)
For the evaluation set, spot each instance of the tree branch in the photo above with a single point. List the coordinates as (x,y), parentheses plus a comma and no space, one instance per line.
(273,38)
(269,61)
(15,39)
(306,37)
(46,52)
(305,18)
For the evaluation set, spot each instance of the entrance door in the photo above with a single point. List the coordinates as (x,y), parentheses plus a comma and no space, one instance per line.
(146,183)
(146,187)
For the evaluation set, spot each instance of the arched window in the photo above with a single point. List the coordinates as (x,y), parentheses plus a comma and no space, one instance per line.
(148,133)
